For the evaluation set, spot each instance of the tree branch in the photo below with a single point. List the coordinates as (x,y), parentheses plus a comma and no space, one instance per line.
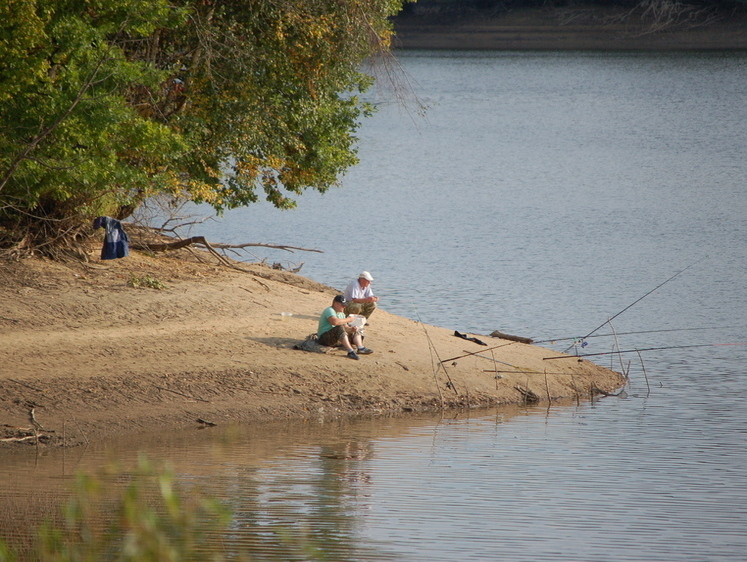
(201,241)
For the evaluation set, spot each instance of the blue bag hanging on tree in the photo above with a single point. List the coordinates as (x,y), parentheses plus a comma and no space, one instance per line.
(116,243)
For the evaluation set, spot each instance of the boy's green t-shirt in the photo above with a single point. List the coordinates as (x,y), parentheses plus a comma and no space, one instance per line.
(324,325)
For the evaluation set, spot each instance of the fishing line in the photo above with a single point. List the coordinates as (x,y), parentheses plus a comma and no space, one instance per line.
(493,359)
(433,350)
(572,374)
(550,340)
(639,350)
(527,372)
(476,352)
(638,300)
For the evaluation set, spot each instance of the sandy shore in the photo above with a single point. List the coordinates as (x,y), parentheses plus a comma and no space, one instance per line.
(87,355)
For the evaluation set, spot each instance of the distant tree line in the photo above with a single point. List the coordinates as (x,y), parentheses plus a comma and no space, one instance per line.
(653,16)
(497,6)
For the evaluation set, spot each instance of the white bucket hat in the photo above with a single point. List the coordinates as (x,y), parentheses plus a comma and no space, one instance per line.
(365,275)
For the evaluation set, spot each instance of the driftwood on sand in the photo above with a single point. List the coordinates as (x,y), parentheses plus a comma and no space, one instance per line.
(497,334)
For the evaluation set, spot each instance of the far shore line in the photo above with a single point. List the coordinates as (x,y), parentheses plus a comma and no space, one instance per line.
(544,35)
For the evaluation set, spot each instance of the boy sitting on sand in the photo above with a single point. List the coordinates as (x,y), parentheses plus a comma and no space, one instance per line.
(334,330)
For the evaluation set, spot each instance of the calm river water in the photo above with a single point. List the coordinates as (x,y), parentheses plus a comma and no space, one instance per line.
(541,195)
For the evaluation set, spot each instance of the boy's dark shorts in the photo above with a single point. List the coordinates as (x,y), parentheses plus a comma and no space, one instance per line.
(333,337)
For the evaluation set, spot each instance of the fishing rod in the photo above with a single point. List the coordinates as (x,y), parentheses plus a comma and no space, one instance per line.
(528,372)
(476,352)
(639,350)
(638,300)
(432,349)
(493,359)
(550,340)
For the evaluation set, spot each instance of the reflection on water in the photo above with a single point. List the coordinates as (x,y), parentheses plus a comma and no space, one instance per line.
(565,483)
(287,484)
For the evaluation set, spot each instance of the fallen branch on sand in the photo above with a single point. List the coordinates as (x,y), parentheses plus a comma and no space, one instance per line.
(23,434)
(27,386)
(17,439)
(529,396)
(201,241)
(520,339)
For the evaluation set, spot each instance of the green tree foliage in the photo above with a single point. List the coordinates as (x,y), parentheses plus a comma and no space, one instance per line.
(104,103)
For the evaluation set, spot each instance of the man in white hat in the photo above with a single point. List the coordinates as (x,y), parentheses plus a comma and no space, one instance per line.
(360,297)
